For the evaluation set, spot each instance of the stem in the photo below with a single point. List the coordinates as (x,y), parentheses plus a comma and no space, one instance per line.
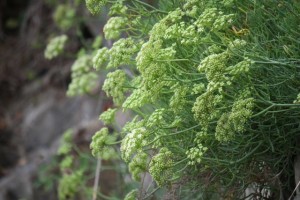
(117,142)
(149,6)
(183,160)
(191,128)
(151,193)
(97,177)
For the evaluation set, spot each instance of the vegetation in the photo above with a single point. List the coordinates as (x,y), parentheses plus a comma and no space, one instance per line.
(213,87)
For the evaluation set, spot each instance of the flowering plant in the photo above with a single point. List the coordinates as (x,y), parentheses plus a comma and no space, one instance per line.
(213,86)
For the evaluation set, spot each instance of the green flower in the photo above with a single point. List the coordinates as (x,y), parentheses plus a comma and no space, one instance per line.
(64,16)
(114,86)
(100,59)
(100,142)
(66,143)
(195,154)
(108,116)
(118,8)
(161,167)
(69,184)
(113,28)
(235,121)
(122,52)
(133,143)
(55,46)
(138,165)
(66,162)
(83,79)
(95,6)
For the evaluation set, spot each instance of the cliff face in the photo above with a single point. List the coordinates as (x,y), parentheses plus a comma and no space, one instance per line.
(34,110)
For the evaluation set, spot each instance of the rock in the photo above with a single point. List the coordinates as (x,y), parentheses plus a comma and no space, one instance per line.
(49,115)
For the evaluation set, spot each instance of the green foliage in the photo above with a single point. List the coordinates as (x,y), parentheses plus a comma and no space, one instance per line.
(69,185)
(213,86)
(74,170)
(132,195)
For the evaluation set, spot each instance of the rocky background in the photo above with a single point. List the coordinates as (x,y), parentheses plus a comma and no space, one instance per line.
(34,110)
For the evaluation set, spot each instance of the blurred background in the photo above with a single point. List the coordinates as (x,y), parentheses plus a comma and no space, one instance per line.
(36,116)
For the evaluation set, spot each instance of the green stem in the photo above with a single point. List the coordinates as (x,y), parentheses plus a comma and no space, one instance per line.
(172,134)
(152,7)
(117,142)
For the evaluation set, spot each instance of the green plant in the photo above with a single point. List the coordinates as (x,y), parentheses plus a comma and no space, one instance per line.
(213,89)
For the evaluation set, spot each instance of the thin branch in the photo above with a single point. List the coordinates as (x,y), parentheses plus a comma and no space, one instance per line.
(97,177)
(294,190)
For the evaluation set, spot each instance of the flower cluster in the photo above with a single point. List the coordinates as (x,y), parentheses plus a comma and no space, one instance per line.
(55,46)
(66,143)
(237,44)
(178,100)
(198,88)
(156,118)
(240,68)
(113,28)
(185,33)
(234,121)
(83,79)
(108,116)
(95,6)
(153,61)
(137,99)
(192,11)
(122,51)
(66,163)
(222,22)
(100,142)
(195,154)
(224,129)
(64,16)
(138,165)
(207,18)
(100,58)
(160,29)
(133,143)
(68,185)
(161,165)
(213,49)
(214,66)
(241,113)
(118,9)
(190,4)
(133,124)
(114,86)
(205,107)
(213,19)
